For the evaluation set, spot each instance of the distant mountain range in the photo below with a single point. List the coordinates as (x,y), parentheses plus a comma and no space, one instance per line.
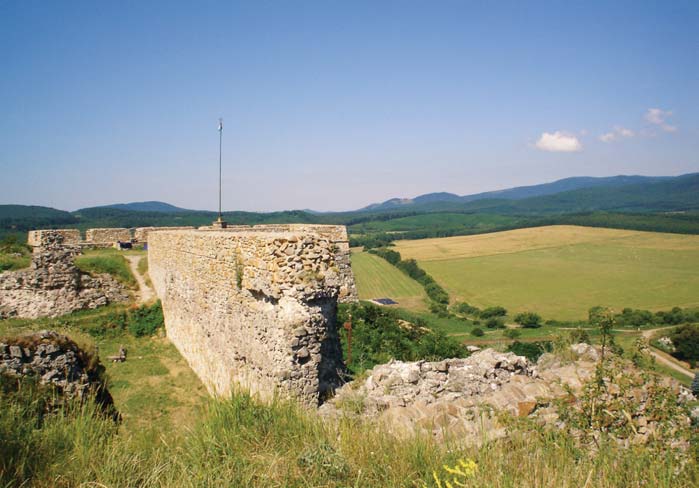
(520,192)
(617,194)
(161,207)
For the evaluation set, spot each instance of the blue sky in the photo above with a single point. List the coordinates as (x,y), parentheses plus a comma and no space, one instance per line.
(335,105)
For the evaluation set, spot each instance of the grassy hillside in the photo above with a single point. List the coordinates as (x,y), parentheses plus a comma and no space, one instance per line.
(562,271)
(172,435)
(376,278)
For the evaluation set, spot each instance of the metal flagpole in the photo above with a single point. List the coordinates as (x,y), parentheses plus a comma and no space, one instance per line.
(220,152)
(220,223)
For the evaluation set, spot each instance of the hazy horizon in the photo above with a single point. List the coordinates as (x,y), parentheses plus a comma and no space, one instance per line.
(338,106)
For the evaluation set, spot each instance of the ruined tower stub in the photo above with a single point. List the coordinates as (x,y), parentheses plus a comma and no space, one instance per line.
(253,307)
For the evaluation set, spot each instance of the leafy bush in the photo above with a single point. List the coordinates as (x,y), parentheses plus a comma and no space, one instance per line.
(576,336)
(529,320)
(466,309)
(146,319)
(477,332)
(11,244)
(493,312)
(379,335)
(495,323)
(512,333)
(530,350)
(686,341)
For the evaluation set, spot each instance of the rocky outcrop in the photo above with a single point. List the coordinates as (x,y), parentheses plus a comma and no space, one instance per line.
(53,285)
(55,360)
(463,398)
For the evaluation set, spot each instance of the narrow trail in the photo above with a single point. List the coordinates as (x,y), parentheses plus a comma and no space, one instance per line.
(647,334)
(145,293)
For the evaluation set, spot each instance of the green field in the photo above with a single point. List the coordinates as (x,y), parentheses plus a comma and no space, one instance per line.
(376,278)
(562,271)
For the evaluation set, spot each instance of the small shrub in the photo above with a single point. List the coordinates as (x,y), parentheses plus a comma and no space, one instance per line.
(495,323)
(146,319)
(512,333)
(686,341)
(528,320)
(493,312)
(530,350)
(579,335)
(477,332)
(466,309)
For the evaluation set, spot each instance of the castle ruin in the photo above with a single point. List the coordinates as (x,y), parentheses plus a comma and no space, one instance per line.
(255,306)
(53,285)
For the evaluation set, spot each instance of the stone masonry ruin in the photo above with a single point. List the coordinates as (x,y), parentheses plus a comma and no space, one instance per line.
(70,236)
(255,307)
(53,285)
(107,236)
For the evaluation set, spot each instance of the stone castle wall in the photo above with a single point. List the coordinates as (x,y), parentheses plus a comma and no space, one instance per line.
(253,307)
(141,233)
(335,234)
(70,236)
(107,236)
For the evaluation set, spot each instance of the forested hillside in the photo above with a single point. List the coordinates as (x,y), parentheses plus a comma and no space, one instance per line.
(665,204)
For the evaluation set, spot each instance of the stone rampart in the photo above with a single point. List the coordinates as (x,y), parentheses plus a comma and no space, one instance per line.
(254,308)
(141,233)
(335,234)
(107,236)
(70,236)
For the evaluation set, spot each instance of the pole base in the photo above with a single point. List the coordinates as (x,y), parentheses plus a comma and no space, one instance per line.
(219,224)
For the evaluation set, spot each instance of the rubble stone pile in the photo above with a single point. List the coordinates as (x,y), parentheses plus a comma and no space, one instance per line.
(54,359)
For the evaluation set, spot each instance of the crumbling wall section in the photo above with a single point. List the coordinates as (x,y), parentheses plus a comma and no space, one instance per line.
(53,285)
(251,307)
(70,236)
(335,234)
(107,236)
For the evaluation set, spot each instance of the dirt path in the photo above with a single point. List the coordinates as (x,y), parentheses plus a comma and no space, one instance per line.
(145,292)
(660,357)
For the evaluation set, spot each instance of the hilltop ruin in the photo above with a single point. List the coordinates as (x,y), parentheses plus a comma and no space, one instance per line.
(255,307)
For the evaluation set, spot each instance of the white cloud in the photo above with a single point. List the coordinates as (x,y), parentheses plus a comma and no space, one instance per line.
(558,142)
(659,117)
(618,133)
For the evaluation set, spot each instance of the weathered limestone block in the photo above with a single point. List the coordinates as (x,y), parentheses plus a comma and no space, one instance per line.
(252,307)
(141,233)
(107,236)
(53,285)
(70,236)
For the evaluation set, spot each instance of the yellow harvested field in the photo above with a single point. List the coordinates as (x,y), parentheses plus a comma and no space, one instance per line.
(509,241)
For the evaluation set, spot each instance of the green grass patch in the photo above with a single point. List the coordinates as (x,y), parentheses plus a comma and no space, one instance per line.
(12,262)
(108,261)
(376,278)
